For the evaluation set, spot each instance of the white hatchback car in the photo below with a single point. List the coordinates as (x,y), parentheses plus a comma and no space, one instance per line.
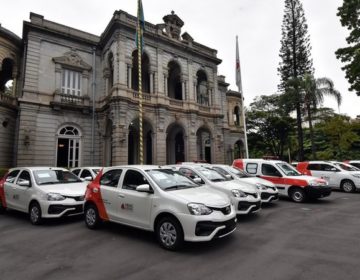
(86,173)
(159,199)
(43,192)
(245,196)
(268,190)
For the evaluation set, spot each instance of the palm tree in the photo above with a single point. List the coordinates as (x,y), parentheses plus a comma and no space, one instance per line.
(314,92)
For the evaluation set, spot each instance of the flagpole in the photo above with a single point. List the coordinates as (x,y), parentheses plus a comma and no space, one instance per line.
(239,84)
(139,47)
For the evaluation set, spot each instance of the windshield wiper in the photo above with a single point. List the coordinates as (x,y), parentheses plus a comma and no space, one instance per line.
(49,183)
(218,180)
(177,187)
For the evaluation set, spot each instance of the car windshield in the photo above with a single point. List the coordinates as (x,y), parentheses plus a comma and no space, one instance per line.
(168,179)
(288,170)
(346,167)
(238,172)
(212,175)
(49,177)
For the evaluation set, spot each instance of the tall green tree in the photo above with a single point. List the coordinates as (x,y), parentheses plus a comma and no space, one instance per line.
(295,54)
(314,91)
(349,17)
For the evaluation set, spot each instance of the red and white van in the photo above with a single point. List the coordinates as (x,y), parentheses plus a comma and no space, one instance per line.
(287,179)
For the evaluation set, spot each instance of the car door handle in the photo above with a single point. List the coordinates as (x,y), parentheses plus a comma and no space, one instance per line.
(121,195)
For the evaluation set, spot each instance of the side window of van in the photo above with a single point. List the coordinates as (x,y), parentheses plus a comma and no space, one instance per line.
(251,168)
(269,170)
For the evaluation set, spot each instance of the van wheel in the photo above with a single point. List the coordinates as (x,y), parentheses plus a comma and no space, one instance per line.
(35,213)
(169,233)
(92,218)
(298,195)
(347,186)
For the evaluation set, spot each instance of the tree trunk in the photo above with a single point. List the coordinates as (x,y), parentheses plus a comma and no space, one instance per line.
(313,148)
(299,132)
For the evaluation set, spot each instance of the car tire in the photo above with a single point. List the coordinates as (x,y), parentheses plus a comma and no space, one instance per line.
(348,186)
(92,218)
(2,208)
(35,213)
(298,195)
(169,233)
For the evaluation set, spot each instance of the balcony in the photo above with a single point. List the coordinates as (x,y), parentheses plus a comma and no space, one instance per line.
(7,99)
(67,101)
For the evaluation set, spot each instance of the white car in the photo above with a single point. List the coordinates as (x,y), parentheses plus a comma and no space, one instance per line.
(43,192)
(268,190)
(161,200)
(86,173)
(244,196)
(336,176)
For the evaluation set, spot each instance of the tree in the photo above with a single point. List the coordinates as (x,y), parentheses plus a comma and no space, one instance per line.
(295,54)
(349,17)
(314,91)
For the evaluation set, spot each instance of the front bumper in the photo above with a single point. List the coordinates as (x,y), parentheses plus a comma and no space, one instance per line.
(247,205)
(317,192)
(57,209)
(207,227)
(267,197)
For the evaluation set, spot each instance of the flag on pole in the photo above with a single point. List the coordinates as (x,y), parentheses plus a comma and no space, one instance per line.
(237,68)
(140,26)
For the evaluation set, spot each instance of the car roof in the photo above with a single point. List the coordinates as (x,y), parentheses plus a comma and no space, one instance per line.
(90,167)
(262,160)
(140,167)
(37,168)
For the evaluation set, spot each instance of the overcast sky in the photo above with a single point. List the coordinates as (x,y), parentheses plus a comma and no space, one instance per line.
(216,23)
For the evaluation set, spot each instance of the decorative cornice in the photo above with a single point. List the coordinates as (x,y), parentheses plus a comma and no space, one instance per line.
(72,59)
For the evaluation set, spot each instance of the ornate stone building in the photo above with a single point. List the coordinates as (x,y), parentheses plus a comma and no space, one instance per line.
(74,96)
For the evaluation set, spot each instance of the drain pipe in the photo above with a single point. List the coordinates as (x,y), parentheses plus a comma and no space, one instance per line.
(93,86)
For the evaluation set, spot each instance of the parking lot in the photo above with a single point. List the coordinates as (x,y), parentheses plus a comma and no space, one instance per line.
(315,240)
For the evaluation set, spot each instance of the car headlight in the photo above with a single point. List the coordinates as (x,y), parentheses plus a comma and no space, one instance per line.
(356,175)
(199,209)
(238,193)
(317,183)
(261,187)
(54,197)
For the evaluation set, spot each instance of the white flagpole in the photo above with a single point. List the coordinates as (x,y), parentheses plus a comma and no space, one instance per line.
(239,85)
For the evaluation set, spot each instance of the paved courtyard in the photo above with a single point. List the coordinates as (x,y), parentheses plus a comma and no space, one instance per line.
(316,240)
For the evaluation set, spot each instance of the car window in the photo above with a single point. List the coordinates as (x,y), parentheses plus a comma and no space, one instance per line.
(328,167)
(10,178)
(96,170)
(211,174)
(221,171)
(133,179)
(85,173)
(251,168)
(347,167)
(24,176)
(355,164)
(314,166)
(269,170)
(238,172)
(76,171)
(168,179)
(288,169)
(111,178)
(53,176)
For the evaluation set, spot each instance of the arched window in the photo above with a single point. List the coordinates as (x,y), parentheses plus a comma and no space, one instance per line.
(6,75)
(68,147)
(237,116)
(174,81)
(145,72)
(202,94)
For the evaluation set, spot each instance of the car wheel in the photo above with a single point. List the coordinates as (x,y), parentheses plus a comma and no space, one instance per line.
(35,213)
(347,186)
(2,208)
(298,195)
(92,218)
(169,233)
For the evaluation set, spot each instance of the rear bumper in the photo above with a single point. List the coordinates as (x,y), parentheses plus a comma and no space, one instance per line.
(317,192)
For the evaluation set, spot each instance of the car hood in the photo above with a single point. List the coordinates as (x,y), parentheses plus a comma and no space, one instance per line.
(204,195)
(236,184)
(256,180)
(70,189)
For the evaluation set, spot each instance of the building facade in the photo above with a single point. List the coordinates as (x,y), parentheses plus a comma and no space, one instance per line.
(74,96)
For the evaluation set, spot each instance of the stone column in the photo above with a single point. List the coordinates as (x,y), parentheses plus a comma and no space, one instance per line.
(58,71)
(129,67)
(166,84)
(152,82)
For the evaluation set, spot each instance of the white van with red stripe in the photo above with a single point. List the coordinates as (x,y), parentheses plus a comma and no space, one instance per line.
(161,200)
(287,179)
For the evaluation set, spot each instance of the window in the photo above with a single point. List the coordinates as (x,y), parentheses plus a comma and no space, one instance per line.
(133,179)
(76,172)
(10,178)
(111,178)
(328,167)
(236,116)
(251,168)
(24,176)
(68,147)
(86,173)
(269,170)
(71,82)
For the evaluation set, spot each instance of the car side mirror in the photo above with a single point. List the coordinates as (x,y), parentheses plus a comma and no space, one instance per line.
(24,183)
(89,178)
(228,176)
(197,180)
(144,188)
